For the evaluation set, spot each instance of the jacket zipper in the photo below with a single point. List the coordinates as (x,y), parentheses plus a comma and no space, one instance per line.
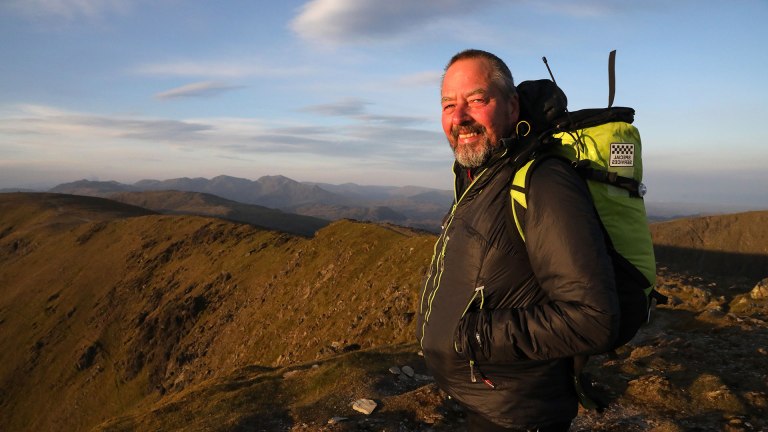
(437,265)
(433,267)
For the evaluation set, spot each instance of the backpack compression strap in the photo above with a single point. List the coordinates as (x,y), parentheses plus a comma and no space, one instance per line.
(629,184)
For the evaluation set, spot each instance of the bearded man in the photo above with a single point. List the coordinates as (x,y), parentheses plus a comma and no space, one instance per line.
(500,320)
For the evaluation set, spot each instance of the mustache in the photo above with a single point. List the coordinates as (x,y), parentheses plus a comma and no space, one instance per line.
(466,129)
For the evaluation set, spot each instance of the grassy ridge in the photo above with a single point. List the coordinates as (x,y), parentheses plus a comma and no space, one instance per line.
(116,313)
(115,318)
(201,204)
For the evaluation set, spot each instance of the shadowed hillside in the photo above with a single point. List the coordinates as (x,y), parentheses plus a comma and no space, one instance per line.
(735,245)
(114,318)
(193,203)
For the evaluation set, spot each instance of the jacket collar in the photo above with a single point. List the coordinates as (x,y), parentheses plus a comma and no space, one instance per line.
(464,178)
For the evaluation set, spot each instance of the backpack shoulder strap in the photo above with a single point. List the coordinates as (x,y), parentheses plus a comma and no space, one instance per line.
(519,191)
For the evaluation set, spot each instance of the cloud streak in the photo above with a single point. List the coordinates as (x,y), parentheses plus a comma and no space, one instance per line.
(216,69)
(344,108)
(356,109)
(421,79)
(369,136)
(47,122)
(198,89)
(69,9)
(345,22)
(596,8)
(349,21)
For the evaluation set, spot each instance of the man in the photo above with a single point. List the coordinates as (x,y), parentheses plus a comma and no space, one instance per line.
(501,319)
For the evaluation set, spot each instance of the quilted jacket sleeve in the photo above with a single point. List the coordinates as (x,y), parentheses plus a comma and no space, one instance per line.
(569,257)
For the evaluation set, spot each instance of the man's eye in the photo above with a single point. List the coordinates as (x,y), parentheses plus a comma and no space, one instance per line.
(477,101)
(448,107)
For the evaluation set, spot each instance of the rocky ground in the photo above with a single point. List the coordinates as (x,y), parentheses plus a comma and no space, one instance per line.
(701,365)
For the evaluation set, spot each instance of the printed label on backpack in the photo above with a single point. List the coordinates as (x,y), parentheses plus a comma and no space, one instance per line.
(622,155)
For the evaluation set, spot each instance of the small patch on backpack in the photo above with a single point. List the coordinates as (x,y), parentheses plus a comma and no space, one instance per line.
(622,155)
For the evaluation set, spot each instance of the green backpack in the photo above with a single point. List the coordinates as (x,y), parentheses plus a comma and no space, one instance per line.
(605,149)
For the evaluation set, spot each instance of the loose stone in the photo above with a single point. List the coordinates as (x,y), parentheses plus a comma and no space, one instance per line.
(365,406)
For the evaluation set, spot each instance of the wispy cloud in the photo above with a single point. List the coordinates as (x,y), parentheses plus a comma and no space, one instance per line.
(69,9)
(74,126)
(393,120)
(421,79)
(345,108)
(339,22)
(39,124)
(356,109)
(216,69)
(198,89)
(128,146)
(350,21)
(596,8)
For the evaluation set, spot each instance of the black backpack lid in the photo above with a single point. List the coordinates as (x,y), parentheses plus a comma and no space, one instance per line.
(589,117)
(544,105)
(541,103)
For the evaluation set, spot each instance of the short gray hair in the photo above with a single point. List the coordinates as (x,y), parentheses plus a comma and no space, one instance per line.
(501,75)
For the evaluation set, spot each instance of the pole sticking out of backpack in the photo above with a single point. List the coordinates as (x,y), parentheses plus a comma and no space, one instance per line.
(611,77)
(544,59)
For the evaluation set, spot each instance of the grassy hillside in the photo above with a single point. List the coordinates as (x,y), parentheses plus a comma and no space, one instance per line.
(110,314)
(201,204)
(115,318)
(722,245)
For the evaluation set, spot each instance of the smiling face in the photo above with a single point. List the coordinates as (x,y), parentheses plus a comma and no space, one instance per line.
(476,112)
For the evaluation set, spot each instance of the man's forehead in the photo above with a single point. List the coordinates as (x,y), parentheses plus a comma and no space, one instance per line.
(475,66)
(467,76)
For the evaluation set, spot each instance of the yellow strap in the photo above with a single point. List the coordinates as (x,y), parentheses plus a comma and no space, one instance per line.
(518,196)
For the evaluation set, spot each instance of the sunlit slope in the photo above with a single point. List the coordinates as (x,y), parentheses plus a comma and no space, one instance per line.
(105,308)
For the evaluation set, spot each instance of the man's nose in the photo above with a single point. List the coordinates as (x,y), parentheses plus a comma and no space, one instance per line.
(461,115)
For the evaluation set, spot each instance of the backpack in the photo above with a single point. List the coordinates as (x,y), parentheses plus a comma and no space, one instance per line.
(604,148)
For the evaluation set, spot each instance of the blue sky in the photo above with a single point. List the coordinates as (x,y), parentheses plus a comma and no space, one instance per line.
(348,90)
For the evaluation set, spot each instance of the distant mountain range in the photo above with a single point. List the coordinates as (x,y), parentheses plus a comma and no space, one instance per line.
(411,206)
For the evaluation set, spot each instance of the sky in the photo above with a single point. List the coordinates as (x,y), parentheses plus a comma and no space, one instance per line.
(341,91)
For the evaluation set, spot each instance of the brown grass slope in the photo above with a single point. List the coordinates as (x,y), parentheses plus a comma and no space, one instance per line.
(105,316)
(735,244)
(202,204)
(116,319)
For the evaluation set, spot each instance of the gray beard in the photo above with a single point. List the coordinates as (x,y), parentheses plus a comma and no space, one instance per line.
(473,157)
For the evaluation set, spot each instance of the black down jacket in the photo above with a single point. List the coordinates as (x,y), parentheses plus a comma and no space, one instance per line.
(499,319)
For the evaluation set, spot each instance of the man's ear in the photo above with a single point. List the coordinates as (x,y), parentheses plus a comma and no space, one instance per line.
(514,108)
